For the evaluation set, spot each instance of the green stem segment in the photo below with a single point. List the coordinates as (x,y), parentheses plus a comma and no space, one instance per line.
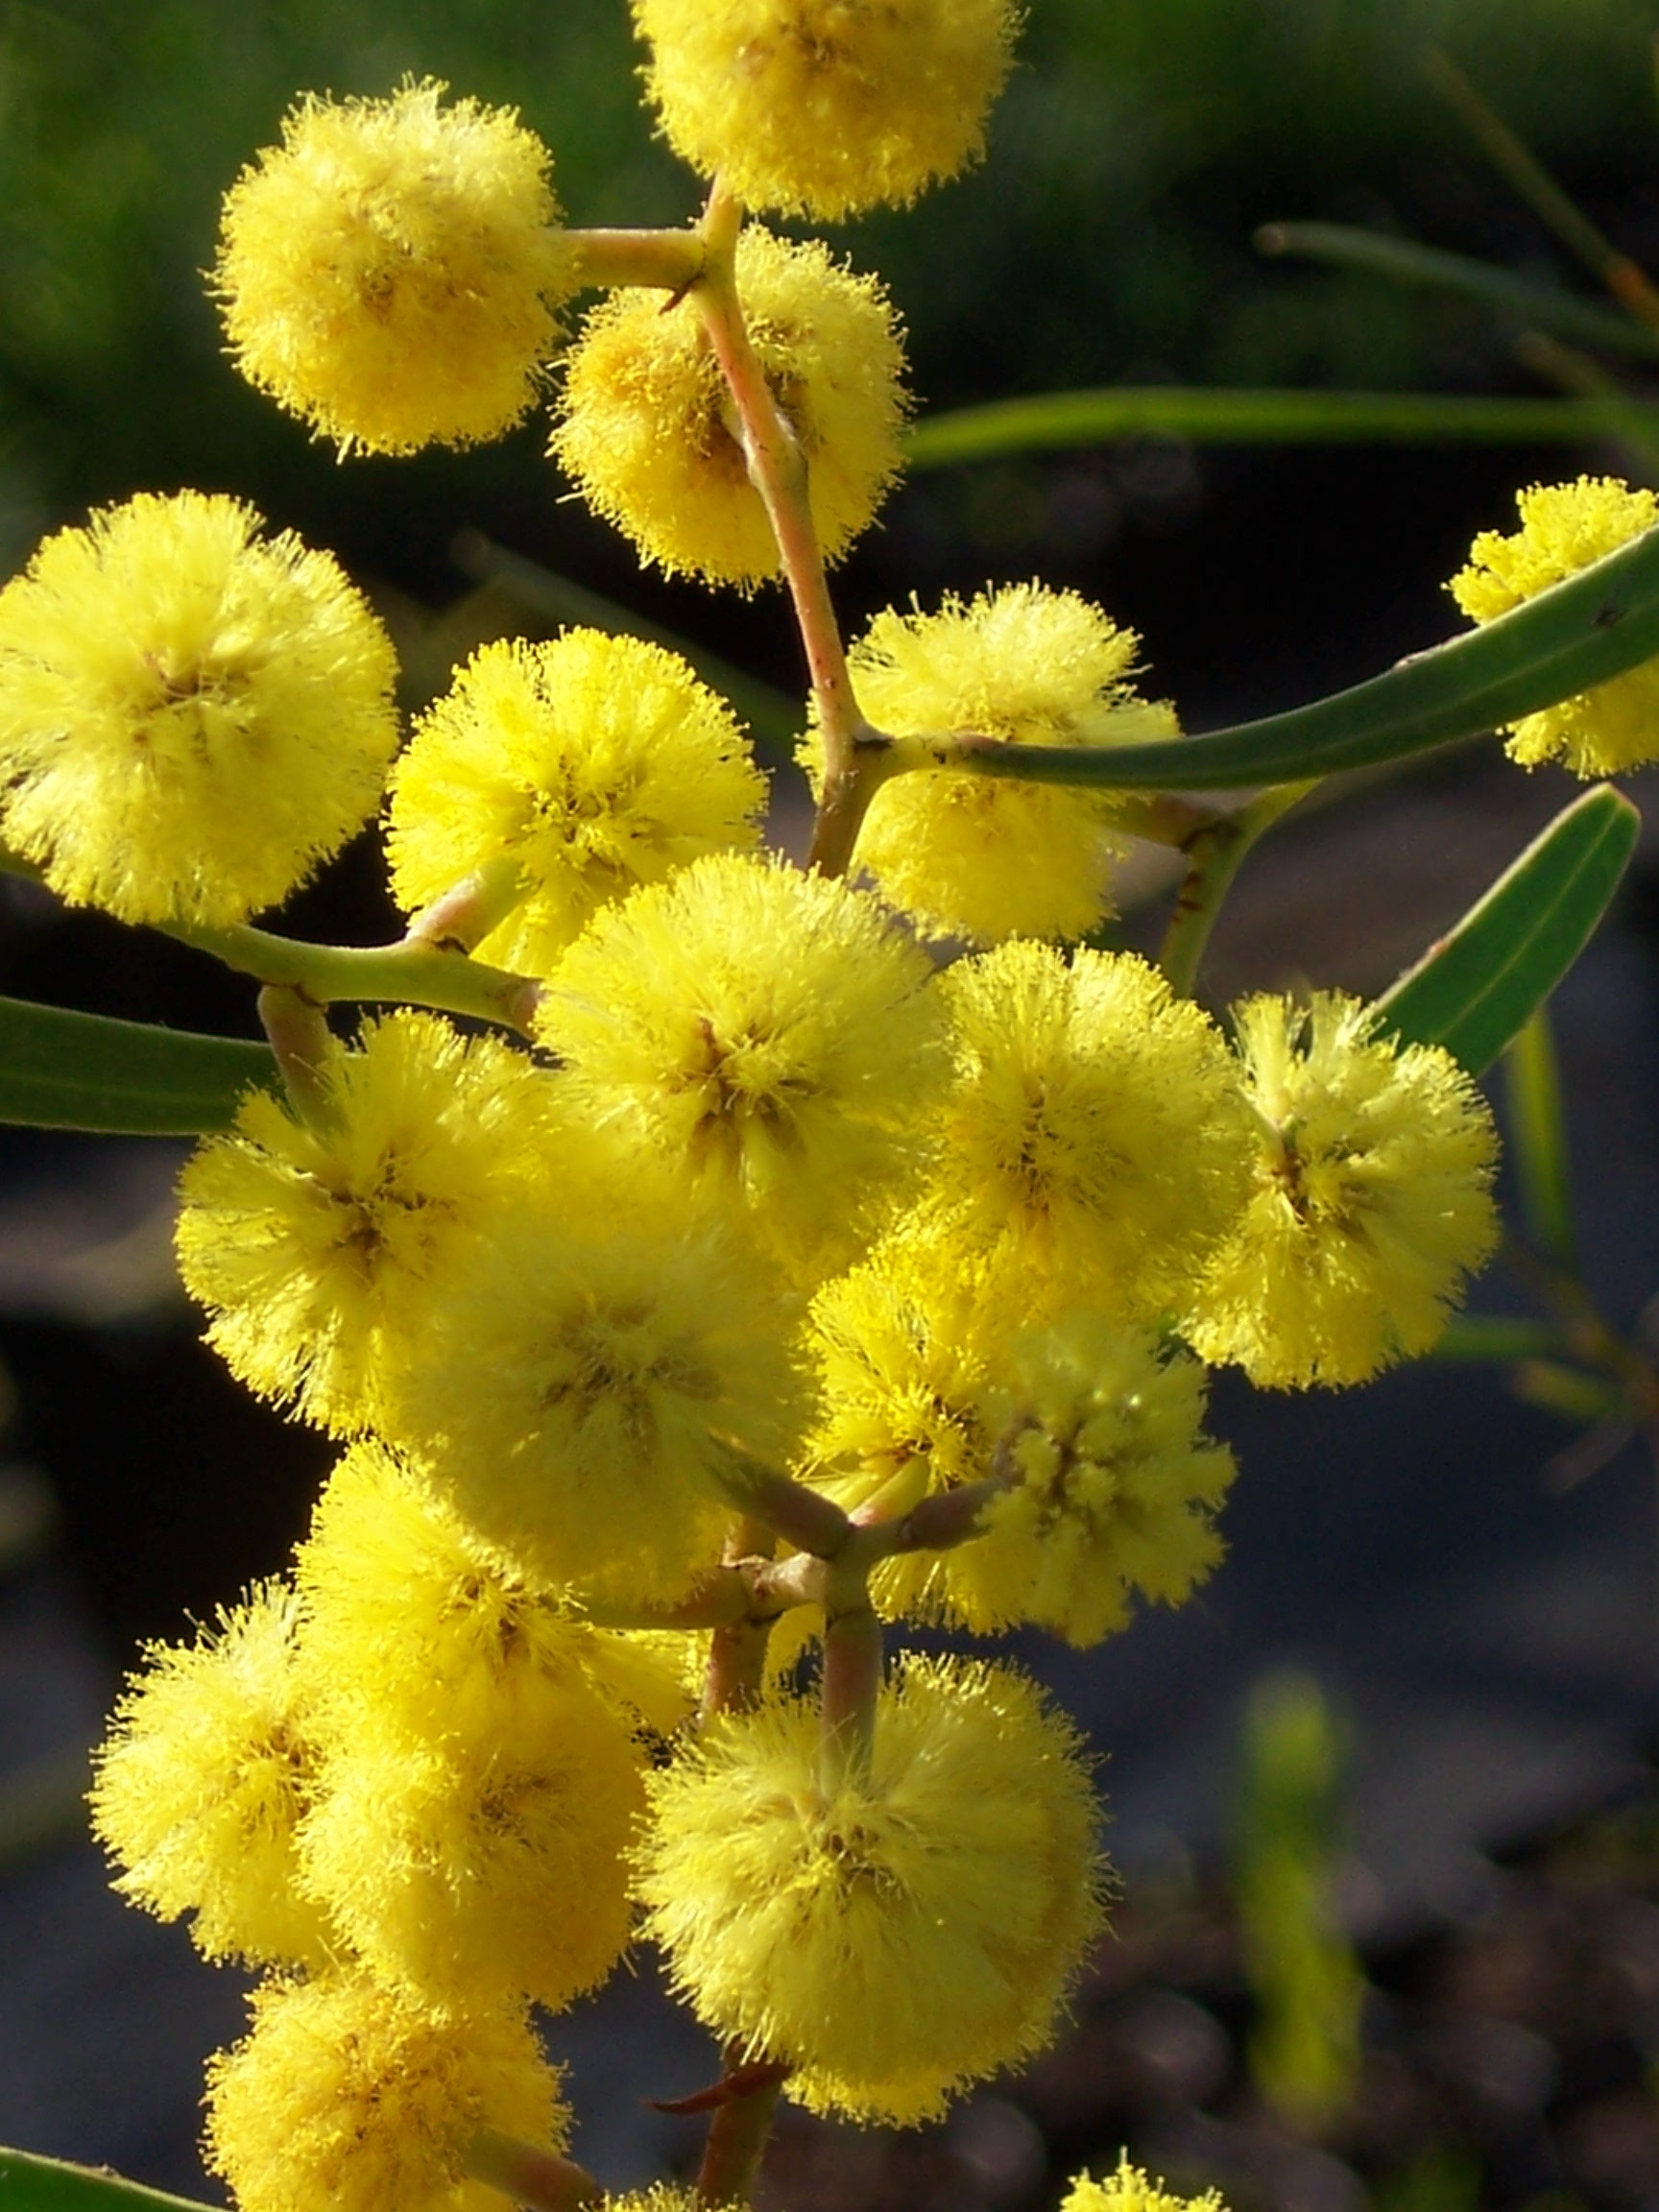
(737,2133)
(300,1038)
(408,973)
(531,2176)
(1215,855)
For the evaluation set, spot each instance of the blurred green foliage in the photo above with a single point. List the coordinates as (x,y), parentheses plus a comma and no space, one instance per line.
(1108,235)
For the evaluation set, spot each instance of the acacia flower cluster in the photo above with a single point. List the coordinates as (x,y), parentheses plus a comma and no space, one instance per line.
(757,1263)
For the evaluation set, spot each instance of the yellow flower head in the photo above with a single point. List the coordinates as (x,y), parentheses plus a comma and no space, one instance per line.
(598,762)
(191,716)
(906,1935)
(1095,1141)
(619,1374)
(769,1033)
(980,857)
(200,1784)
(1373,1199)
(417,1632)
(347,2095)
(1114,1489)
(389,271)
(823,106)
(484,1865)
(660,2197)
(1130,2190)
(646,430)
(1565,527)
(317,1251)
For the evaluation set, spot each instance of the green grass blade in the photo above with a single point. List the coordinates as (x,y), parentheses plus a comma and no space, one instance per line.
(1566,641)
(1544,306)
(1055,421)
(29,2183)
(64,1071)
(1478,986)
(1538,1140)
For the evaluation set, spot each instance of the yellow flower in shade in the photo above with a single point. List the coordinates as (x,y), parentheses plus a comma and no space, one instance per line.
(1373,1199)
(486,1864)
(1113,1486)
(597,762)
(906,1936)
(1565,527)
(825,106)
(767,1033)
(191,716)
(621,1374)
(986,857)
(348,2096)
(663,2197)
(646,430)
(1130,2190)
(418,1633)
(199,1788)
(316,1250)
(1095,1144)
(390,273)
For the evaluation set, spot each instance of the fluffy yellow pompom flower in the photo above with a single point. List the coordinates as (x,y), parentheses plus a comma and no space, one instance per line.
(769,1034)
(389,271)
(821,107)
(903,1346)
(1094,1143)
(1372,1202)
(928,1383)
(645,427)
(621,1372)
(1130,2190)
(191,716)
(1565,527)
(1114,1485)
(597,762)
(906,1935)
(980,857)
(483,1867)
(316,1250)
(417,1632)
(200,1787)
(348,2096)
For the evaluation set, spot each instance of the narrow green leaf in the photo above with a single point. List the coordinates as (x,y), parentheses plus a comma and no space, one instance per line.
(1502,1337)
(1056,420)
(1475,989)
(1587,1401)
(1544,306)
(1538,1139)
(1566,641)
(64,1071)
(29,2183)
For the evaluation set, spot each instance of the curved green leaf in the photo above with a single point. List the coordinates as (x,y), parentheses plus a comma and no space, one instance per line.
(1546,306)
(29,2183)
(1055,420)
(1477,987)
(64,1071)
(1566,641)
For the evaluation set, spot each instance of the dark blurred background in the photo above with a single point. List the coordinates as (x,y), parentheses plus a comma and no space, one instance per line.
(1491,1633)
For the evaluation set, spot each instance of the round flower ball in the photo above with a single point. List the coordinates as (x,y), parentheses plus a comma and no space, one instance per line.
(391,272)
(1371,1202)
(818,107)
(985,858)
(191,716)
(597,763)
(891,1937)
(348,2095)
(1565,527)
(646,431)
